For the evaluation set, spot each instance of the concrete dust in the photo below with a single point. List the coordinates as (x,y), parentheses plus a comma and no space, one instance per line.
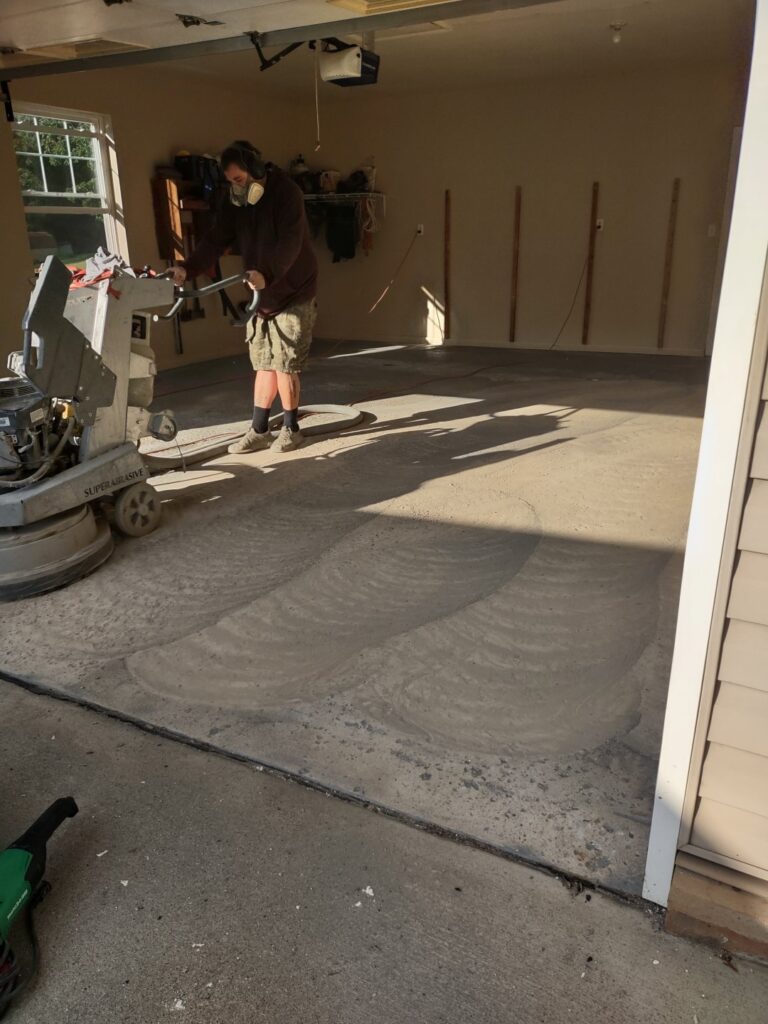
(462,609)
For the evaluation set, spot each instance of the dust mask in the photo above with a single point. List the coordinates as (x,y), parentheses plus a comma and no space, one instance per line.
(246,195)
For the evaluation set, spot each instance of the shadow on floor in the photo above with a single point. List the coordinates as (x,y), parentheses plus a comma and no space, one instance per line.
(450,610)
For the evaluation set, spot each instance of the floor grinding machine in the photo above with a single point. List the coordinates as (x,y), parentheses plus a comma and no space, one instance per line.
(72,416)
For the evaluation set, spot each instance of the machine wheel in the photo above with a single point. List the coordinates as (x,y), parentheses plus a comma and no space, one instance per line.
(137,510)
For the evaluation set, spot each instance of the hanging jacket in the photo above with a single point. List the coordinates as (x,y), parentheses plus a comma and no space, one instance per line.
(341,230)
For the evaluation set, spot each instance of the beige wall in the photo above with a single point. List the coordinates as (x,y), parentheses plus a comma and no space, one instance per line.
(155,111)
(633,135)
(554,138)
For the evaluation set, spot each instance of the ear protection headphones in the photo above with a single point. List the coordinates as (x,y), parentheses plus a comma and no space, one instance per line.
(249,158)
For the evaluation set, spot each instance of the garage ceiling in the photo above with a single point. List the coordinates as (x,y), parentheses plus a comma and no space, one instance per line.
(559,36)
(30,25)
(35,29)
(571,37)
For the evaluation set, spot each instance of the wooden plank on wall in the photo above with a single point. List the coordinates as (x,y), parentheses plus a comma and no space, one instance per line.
(447,263)
(515,264)
(668,260)
(590,263)
(168,223)
(718,904)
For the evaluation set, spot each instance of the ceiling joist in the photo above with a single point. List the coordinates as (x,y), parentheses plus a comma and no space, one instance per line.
(279,38)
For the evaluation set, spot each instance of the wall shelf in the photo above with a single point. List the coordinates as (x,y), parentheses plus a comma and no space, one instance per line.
(345,197)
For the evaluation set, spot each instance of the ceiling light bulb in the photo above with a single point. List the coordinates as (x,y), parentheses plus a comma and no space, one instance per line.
(616,27)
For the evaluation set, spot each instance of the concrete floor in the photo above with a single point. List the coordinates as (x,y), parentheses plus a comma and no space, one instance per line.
(191,888)
(462,609)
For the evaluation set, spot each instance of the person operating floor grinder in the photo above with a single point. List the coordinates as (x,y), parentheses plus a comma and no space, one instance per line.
(22,888)
(73,415)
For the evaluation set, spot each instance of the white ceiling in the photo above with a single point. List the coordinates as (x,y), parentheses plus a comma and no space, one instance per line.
(565,37)
(32,24)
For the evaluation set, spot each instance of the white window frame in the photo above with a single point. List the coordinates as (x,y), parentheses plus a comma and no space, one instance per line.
(107,170)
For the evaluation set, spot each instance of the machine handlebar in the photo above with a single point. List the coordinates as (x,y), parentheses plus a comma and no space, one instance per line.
(210,289)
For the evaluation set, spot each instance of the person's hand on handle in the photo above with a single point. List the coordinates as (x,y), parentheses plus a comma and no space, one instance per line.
(255,280)
(178,275)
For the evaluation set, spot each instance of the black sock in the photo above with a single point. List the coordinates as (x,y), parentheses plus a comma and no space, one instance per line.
(291,419)
(260,421)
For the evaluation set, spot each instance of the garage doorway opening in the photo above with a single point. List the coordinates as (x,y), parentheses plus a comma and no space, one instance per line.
(465,608)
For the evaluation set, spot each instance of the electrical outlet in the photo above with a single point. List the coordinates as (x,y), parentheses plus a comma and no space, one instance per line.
(600,224)
(419,229)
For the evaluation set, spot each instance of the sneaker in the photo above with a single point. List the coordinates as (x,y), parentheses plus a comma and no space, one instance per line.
(251,441)
(287,441)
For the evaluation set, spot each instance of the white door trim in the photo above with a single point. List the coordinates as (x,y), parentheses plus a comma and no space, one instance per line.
(729,377)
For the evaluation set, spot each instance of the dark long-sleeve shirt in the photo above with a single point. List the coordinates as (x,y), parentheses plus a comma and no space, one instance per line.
(272,237)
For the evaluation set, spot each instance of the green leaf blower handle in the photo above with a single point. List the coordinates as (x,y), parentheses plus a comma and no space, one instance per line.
(22,865)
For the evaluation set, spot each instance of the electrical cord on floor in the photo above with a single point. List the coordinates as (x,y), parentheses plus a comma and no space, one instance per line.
(10,969)
(368,397)
(192,446)
(573,304)
(181,456)
(9,975)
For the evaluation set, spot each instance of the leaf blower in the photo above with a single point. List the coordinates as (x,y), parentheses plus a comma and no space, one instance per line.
(22,866)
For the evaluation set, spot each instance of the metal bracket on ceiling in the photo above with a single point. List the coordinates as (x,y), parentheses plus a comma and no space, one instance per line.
(269,62)
(193,21)
(331,43)
(5,98)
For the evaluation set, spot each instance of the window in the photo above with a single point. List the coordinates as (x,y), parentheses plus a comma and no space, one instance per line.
(66,166)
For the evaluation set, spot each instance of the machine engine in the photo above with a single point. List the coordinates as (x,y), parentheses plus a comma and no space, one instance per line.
(34,430)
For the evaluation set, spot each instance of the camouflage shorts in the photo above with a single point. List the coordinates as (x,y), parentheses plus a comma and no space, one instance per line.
(282,342)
